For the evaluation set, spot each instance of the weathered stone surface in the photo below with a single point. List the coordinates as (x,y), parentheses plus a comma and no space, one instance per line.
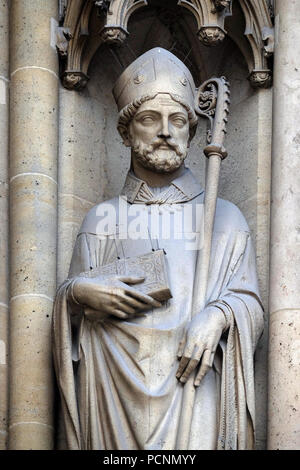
(4,242)
(34,113)
(31,436)
(4,40)
(284,364)
(31,392)
(3,374)
(284,378)
(4,247)
(30,41)
(33,248)
(33,221)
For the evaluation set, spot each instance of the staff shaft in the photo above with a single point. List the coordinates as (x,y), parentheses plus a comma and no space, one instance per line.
(200,288)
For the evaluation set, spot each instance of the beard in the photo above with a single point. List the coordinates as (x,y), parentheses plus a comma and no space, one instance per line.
(160,160)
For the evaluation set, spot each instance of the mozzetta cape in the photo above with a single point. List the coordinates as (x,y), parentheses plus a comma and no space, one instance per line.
(117,378)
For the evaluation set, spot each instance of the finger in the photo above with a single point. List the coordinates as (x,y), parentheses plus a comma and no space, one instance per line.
(131,279)
(211,360)
(137,304)
(119,314)
(122,306)
(89,311)
(182,365)
(194,356)
(181,346)
(189,369)
(124,314)
(204,368)
(190,352)
(143,297)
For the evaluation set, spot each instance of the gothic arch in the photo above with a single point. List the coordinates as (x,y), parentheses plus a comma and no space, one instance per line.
(87,24)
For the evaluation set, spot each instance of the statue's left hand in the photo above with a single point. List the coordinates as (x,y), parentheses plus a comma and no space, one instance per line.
(199,344)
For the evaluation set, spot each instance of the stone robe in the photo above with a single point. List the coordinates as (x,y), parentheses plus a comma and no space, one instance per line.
(117,378)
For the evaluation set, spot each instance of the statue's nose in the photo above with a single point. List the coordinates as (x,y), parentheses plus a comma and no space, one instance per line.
(164,131)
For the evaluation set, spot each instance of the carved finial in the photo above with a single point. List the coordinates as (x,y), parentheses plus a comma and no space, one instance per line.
(261,78)
(260,34)
(113,35)
(211,35)
(73,80)
(221,4)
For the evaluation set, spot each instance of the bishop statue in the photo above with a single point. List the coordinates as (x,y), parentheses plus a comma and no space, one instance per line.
(136,367)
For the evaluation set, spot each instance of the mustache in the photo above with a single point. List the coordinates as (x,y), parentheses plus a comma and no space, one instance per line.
(158,142)
(168,142)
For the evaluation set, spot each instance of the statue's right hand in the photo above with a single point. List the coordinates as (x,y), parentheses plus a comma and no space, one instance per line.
(113,296)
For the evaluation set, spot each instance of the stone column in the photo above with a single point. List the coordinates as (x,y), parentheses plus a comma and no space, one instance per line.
(33,216)
(4,113)
(284,343)
(261,222)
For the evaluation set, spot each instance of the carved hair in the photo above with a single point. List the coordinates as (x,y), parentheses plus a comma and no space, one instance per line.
(128,113)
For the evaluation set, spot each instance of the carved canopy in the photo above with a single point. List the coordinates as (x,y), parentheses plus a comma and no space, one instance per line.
(86,24)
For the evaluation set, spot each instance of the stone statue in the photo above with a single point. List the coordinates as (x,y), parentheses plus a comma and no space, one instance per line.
(125,341)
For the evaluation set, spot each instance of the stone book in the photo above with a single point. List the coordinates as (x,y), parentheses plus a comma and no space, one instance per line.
(151,266)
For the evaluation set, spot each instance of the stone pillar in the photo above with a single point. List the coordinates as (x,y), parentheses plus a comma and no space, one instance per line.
(33,220)
(4,116)
(284,342)
(261,233)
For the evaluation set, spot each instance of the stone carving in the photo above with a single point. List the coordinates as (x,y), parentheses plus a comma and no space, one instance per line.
(211,35)
(260,33)
(113,35)
(151,267)
(74,80)
(135,373)
(209,103)
(261,78)
(210,20)
(221,4)
(85,37)
(259,28)
(81,37)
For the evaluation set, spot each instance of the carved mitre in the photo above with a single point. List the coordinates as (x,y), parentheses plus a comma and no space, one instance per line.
(156,71)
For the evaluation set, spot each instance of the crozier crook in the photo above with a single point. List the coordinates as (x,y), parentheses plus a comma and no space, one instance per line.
(212,102)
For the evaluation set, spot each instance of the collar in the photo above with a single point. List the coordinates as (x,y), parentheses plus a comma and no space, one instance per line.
(186,185)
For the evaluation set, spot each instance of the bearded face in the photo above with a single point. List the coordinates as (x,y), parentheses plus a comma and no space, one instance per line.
(159,134)
(160,156)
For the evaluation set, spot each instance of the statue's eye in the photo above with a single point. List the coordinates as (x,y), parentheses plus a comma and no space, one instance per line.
(179,121)
(147,120)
